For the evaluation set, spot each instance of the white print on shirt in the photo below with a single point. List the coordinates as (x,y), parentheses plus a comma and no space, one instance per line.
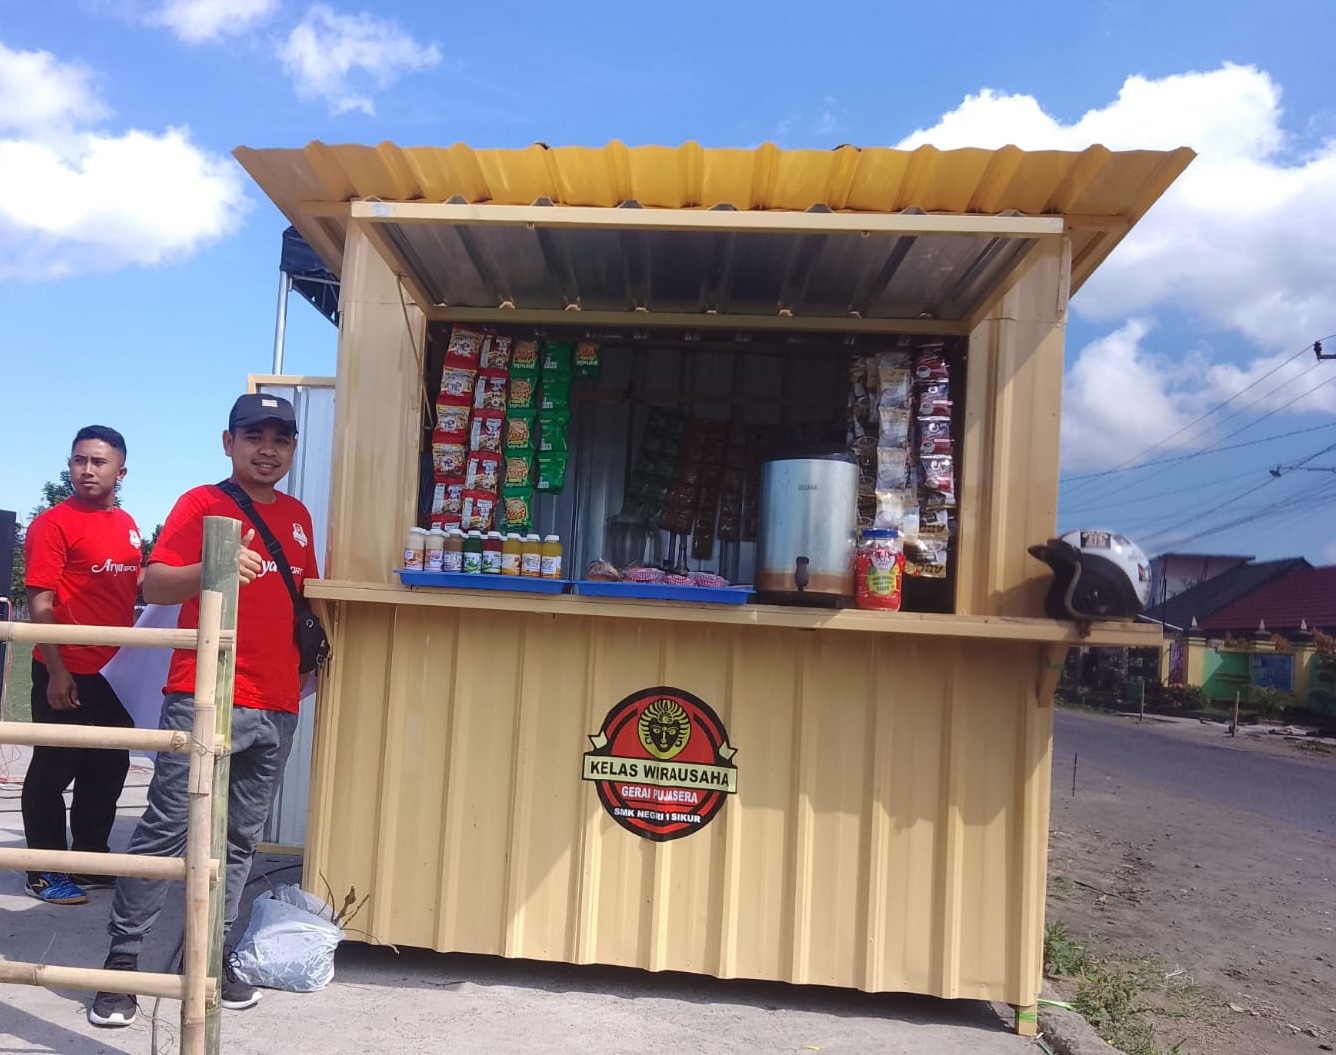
(268,566)
(299,534)
(110,567)
(134,538)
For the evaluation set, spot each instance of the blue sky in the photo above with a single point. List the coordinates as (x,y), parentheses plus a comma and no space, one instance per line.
(147,313)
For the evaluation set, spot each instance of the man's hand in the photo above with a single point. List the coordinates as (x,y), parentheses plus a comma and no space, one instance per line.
(61,692)
(251,564)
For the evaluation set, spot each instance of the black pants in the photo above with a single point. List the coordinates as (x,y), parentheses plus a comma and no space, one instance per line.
(98,775)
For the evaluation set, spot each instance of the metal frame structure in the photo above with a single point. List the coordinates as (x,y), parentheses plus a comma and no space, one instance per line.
(208,745)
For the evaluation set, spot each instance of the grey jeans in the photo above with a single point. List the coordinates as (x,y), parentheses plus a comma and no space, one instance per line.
(261,741)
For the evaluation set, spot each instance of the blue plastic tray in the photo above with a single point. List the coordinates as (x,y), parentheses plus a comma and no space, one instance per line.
(654,591)
(457,580)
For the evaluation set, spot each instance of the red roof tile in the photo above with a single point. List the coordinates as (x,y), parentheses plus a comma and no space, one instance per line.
(1305,595)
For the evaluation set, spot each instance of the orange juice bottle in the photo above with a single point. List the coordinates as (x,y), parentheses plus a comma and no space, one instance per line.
(531,557)
(511,555)
(550,566)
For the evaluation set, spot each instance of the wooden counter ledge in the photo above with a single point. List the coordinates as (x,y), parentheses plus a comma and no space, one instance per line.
(1003,628)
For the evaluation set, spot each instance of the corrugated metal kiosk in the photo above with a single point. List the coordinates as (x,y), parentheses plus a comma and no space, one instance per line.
(883,822)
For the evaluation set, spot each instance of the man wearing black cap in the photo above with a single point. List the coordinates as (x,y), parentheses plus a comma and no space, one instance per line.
(261,439)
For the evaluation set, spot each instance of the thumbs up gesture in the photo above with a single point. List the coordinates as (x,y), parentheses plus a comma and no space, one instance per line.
(250,564)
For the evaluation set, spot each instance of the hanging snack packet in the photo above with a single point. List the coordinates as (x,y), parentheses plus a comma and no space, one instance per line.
(483,473)
(933,406)
(520,430)
(558,358)
(517,508)
(939,477)
(552,472)
(896,388)
(555,394)
(588,359)
(465,347)
(552,432)
(488,431)
(523,390)
(935,523)
(447,455)
(893,428)
(489,392)
(496,353)
(448,498)
(934,436)
(892,468)
(931,367)
(479,510)
(457,383)
(524,354)
(926,558)
(519,470)
(452,419)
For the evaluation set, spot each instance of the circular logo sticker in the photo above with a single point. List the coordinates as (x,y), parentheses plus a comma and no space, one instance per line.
(662,763)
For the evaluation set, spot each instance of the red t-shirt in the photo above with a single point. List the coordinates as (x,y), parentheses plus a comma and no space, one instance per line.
(90,558)
(267,657)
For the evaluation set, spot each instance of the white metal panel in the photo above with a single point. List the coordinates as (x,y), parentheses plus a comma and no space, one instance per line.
(309,482)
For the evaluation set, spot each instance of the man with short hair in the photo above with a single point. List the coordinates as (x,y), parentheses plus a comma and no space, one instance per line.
(261,439)
(82,567)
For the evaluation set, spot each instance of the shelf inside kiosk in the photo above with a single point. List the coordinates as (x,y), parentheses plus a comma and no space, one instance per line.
(645,451)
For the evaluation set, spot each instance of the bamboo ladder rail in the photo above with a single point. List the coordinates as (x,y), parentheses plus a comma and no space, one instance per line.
(202,869)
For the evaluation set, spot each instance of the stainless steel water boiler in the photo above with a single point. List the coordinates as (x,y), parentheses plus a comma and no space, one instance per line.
(808,530)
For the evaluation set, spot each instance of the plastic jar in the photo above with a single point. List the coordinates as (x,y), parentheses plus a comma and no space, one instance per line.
(452,553)
(550,558)
(511,554)
(492,546)
(435,551)
(880,566)
(531,557)
(473,553)
(415,549)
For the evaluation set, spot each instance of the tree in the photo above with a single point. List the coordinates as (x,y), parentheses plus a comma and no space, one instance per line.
(149,543)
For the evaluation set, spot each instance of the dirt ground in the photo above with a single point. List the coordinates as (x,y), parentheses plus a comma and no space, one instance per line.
(1241,907)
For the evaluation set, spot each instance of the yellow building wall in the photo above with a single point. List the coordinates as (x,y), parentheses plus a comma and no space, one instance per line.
(888,832)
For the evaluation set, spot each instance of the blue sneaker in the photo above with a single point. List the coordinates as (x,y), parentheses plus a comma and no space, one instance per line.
(56,888)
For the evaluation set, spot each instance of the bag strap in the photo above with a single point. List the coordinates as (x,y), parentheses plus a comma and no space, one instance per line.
(275,548)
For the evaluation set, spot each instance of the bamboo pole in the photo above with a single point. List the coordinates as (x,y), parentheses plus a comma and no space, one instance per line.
(48,734)
(90,980)
(23,859)
(206,838)
(119,636)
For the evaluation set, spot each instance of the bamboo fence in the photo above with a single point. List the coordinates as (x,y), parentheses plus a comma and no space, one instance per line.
(208,744)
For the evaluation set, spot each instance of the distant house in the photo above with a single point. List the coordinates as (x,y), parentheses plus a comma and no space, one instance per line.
(1227,587)
(1174,573)
(1302,600)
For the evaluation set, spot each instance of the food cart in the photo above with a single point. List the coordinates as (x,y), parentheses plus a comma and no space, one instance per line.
(867,801)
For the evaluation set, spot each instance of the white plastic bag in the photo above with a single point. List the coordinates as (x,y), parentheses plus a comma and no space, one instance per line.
(289,943)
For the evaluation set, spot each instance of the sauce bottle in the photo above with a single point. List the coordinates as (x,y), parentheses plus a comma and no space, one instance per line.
(414,549)
(473,553)
(435,550)
(491,553)
(452,553)
(531,557)
(550,564)
(511,555)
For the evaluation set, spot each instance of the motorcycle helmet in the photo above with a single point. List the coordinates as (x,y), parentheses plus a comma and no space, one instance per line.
(1096,575)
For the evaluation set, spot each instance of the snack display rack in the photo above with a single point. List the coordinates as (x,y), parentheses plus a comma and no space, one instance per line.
(834,797)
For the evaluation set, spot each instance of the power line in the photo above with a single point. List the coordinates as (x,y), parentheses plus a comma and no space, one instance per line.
(1325,497)
(1220,406)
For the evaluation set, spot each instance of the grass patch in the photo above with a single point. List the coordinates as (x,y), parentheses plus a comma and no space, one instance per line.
(1315,747)
(1060,888)
(1122,1001)
(17,703)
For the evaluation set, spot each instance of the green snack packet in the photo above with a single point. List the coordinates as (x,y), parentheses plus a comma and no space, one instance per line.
(521,430)
(517,508)
(552,472)
(555,394)
(552,428)
(523,390)
(557,358)
(588,359)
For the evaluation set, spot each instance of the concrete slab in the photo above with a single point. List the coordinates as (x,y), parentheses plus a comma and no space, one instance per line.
(417,1001)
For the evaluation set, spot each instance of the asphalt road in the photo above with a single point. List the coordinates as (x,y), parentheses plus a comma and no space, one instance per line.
(1291,791)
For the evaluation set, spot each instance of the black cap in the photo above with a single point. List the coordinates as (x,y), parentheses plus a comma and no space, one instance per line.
(259,407)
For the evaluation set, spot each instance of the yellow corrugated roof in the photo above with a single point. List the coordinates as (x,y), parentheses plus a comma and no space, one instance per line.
(1102,193)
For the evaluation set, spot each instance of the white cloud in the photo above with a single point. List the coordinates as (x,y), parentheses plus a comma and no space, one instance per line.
(333,56)
(200,21)
(1240,243)
(75,198)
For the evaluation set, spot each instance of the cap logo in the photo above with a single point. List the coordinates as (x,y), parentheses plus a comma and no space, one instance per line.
(268,402)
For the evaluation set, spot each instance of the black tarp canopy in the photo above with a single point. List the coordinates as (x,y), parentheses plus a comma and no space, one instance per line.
(309,276)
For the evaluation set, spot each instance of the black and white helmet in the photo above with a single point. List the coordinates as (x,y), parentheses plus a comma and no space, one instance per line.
(1096,575)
